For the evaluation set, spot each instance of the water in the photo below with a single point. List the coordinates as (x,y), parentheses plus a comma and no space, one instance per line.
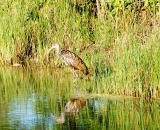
(38,99)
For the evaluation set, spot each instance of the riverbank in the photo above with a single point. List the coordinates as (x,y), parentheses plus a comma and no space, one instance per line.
(48,78)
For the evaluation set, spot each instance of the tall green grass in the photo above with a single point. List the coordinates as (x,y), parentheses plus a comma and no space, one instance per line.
(118,40)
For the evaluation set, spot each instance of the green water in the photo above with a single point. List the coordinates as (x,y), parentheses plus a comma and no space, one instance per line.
(45,99)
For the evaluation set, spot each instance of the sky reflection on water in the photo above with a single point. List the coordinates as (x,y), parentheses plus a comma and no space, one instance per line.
(22,114)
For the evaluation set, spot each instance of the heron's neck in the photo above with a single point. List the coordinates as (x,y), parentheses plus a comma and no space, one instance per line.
(61,119)
(59,50)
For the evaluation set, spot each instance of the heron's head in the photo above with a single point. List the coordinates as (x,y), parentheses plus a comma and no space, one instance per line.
(55,46)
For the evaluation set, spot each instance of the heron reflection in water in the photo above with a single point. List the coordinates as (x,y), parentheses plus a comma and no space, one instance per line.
(72,60)
(72,108)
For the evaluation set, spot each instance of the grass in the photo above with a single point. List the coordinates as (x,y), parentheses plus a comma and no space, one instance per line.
(119,41)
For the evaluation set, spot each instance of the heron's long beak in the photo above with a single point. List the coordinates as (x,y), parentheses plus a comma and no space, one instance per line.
(50,50)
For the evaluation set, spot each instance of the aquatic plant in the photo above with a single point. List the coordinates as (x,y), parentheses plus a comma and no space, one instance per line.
(118,40)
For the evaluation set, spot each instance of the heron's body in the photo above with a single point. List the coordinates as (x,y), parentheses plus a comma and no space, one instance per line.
(72,108)
(71,59)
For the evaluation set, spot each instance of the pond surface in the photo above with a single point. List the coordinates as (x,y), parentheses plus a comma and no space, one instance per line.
(44,100)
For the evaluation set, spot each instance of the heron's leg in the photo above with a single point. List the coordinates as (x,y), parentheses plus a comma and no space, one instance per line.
(75,77)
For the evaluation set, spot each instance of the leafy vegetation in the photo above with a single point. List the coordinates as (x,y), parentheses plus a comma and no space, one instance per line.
(119,40)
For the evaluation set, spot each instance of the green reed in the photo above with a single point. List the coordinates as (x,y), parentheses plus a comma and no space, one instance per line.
(119,41)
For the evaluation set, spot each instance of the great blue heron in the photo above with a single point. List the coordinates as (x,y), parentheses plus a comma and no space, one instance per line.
(70,59)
